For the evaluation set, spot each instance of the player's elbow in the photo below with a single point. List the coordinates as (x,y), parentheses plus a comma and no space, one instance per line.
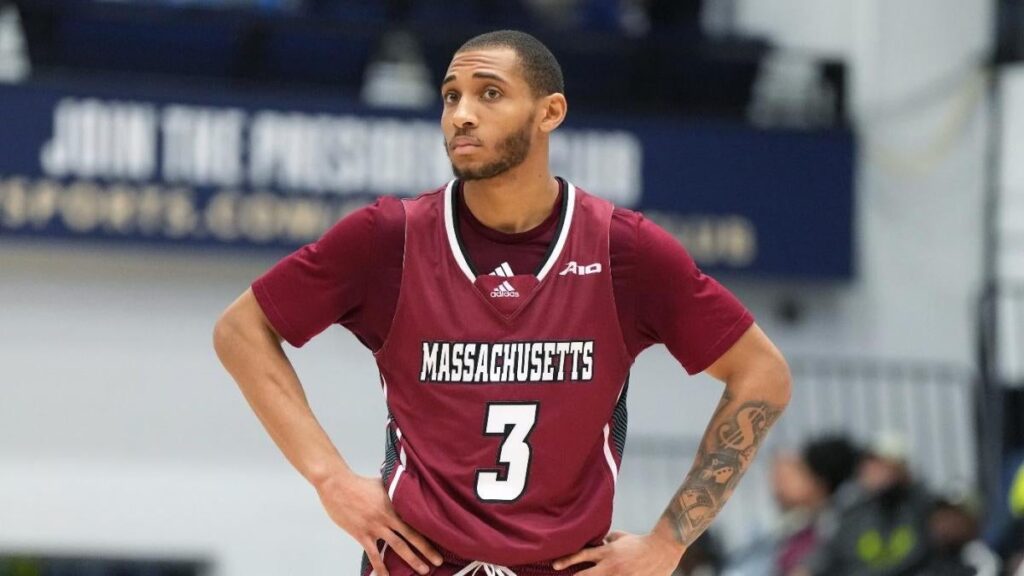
(782,379)
(225,331)
(765,375)
(773,374)
(229,332)
(243,330)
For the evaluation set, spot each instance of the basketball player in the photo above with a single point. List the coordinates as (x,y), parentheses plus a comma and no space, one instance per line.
(504,311)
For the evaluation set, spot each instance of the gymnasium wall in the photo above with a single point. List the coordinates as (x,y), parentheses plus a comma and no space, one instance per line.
(918,104)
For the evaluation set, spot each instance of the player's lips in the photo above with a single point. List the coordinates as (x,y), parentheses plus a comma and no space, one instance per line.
(461,144)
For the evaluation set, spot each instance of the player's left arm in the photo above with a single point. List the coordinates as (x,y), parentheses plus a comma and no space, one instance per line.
(757,390)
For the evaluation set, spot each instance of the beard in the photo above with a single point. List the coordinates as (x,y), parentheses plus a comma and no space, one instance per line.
(512,152)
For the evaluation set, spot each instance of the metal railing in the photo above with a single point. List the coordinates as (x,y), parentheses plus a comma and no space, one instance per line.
(931,407)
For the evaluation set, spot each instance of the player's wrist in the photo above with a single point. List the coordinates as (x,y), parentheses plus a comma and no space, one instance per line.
(329,476)
(667,539)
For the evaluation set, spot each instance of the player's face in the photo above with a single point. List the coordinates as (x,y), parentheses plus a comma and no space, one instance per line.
(489,113)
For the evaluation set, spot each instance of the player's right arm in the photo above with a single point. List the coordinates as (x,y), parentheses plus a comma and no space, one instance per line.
(251,351)
(248,342)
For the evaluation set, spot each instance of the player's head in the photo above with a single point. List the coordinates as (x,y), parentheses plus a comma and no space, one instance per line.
(833,459)
(502,94)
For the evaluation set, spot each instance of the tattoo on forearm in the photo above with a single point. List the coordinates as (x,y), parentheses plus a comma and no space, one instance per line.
(724,455)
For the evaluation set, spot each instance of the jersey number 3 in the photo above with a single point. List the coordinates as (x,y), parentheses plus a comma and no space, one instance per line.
(514,422)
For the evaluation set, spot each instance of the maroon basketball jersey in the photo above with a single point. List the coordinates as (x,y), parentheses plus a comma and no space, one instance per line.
(506,393)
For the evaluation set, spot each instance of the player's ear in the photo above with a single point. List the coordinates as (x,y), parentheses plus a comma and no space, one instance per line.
(552,110)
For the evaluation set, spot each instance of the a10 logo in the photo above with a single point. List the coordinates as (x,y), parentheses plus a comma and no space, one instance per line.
(581,270)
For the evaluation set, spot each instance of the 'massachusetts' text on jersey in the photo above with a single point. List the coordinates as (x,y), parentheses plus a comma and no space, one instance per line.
(523,362)
(505,391)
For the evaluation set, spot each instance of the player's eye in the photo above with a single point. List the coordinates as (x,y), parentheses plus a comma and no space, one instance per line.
(450,97)
(492,94)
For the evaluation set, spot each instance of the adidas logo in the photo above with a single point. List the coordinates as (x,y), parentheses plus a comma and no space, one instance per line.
(504,290)
(503,270)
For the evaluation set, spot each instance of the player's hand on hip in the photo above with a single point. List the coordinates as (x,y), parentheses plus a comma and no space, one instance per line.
(626,554)
(361,507)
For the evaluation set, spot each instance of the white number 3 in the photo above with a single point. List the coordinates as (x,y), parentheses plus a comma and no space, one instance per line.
(514,422)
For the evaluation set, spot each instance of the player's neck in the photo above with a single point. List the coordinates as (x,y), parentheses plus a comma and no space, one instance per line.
(516,201)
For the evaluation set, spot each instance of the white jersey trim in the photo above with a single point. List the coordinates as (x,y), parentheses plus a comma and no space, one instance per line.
(400,467)
(570,206)
(401,447)
(456,249)
(453,240)
(608,445)
(608,456)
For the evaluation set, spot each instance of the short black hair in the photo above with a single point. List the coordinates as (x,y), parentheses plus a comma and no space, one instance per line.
(833,459)
(540,67)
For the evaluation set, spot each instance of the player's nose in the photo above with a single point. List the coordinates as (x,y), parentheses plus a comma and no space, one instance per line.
(463,115)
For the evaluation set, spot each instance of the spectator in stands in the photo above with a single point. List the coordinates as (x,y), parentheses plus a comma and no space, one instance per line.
(804,485)
(825,466)
(1011,539)
(880,528)
(957,549)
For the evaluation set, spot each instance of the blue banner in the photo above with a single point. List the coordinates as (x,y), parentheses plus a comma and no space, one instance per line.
(213,167)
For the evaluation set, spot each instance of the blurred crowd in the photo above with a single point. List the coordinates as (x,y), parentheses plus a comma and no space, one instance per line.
(850,510)
(635,17)
(628,16)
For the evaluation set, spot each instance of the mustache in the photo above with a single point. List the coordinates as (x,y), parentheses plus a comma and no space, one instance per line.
(458,133)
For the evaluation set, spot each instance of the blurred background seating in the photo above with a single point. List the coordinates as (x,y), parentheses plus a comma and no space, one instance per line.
(655,56)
